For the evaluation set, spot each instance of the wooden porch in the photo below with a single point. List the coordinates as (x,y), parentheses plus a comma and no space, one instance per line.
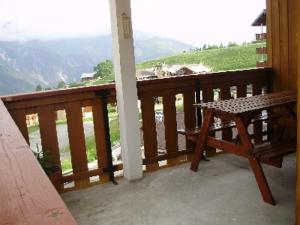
(27,196)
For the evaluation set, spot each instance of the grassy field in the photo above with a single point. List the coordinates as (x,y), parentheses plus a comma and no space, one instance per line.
(104,80)
(227,58)
(91,145)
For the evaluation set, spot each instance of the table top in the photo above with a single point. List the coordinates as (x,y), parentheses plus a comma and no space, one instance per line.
(253,103)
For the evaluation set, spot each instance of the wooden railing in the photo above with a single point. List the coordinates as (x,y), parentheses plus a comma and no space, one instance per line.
(27,196)
(193,88)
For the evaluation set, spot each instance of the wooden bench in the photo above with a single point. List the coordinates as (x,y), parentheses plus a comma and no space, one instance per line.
(272,153)
(193,133)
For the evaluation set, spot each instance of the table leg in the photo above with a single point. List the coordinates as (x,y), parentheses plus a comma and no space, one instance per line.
(261,181)
(208,119)
(256,167)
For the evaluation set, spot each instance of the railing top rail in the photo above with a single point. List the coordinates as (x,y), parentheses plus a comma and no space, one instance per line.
(140,84)
(203,75)
(58,92)
(27,196)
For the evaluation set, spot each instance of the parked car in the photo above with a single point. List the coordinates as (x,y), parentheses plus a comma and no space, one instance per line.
(159,116)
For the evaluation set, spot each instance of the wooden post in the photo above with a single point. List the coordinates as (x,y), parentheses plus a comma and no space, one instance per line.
(127,100)
(297,38)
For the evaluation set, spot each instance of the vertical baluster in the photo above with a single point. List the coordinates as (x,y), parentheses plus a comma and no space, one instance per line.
(258,126)
(208,96)
(241,90)
(77,142)
(189,115)
(48,133)
(19,117)
(225,94)
(169,106)
(149,129)
(99,130)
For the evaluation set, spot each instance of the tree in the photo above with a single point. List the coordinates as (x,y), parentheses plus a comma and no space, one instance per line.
(104,69)
(61,84)
(38,88)
(231,44)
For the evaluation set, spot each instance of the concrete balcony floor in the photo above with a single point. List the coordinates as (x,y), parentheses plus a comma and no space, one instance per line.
(222,192)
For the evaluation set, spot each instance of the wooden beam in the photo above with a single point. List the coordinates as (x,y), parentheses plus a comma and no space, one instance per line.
(27,196)
(297,38)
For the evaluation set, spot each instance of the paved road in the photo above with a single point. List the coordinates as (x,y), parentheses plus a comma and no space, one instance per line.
(62,135)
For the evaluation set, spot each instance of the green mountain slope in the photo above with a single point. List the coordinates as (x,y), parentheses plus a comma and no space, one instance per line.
(10,82)
(229,58)
(48,62)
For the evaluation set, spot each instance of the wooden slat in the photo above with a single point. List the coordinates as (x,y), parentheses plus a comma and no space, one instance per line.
(27,196)
(225,94)
(48,133)
(292,14)
(284,44)
(269,43)
(77,141)
(19,117)
(50,100)
(189,115)
(208,96)
(149,128)
(241,90)
(297,21)
(99,131)
(275,23)
(169,108)
(257,127)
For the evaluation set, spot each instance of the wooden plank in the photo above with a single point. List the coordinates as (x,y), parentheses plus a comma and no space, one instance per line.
(189,115)
(168,157)
(208,96)
(225,94)
(48,134)
(284,44)
(51,100)
(292,14)
(297,24)
(27,196)
(77,141)
(201,144)
(170,122)
(257,127)
(19,117)
(99,131)
(149,128)
(269,33)
(275,24)
(241,90)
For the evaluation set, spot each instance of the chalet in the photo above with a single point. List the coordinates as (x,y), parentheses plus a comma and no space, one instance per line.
(261,21)
(87,76)
(146,74)
(174,70)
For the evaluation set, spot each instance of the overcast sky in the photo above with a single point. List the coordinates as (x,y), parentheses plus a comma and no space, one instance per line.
(192,21)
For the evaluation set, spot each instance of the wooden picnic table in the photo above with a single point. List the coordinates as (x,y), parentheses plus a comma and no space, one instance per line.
(241,112)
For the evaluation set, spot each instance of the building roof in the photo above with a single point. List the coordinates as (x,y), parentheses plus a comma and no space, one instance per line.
(87,75)
(144,74)
(261,19)
(196,68)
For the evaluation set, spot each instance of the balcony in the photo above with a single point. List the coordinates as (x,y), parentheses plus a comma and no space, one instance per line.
(225,180)
(223,191)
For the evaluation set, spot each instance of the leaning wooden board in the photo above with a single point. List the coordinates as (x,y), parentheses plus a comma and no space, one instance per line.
(26,195)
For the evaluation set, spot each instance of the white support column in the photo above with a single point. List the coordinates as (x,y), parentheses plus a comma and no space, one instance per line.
(124,68)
